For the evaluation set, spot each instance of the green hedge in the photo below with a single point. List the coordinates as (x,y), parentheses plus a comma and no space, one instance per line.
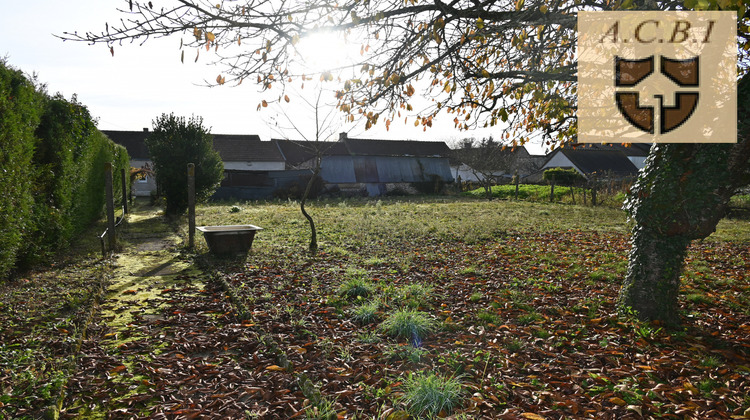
(563,176)
(54,158)
(20,109)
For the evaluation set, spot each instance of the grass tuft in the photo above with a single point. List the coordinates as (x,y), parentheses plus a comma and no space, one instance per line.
(409,324)
(356,287)
(366,313)
(429,395)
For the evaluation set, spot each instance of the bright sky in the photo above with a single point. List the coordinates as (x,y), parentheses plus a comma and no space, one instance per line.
(128,90)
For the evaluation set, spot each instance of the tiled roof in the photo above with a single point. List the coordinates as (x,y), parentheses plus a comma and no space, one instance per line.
(600,161)
(634,149)
(246,148)
(134,142)
(363,147)
(231,147)
(296,152)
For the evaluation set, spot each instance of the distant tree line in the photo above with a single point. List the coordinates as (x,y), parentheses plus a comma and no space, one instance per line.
(51,170)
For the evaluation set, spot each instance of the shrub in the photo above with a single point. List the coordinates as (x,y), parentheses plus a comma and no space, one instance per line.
(174,143)
(20,109)
(427,395)
(51,159)
(563,176)
(68,176)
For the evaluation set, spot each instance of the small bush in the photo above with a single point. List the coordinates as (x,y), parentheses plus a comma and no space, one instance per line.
(173,144)
(563,176)
(409,324)
(20,109)
(426,394)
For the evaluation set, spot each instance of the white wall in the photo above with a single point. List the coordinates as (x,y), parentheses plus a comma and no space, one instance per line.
(254,166)
(638,161)
(559,160)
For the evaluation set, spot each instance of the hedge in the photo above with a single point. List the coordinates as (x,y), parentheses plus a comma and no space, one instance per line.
(563,176)
(20,109)
(52,171)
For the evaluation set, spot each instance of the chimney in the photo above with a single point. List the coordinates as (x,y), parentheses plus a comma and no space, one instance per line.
(342,136)
(145,129)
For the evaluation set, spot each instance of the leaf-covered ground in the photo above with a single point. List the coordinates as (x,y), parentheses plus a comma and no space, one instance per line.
(526,319)
(521,298)
(43,314)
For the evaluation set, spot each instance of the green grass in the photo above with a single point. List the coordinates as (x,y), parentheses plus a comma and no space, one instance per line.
(409,324)
(541,193)
(366,313)
(487,317)
(414,295)
(405,352)
(357,287)
(426,395)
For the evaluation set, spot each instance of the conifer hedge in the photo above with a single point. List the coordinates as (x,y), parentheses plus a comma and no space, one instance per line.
(51,170)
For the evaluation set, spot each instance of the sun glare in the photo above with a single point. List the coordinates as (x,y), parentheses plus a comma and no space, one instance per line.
(326,51)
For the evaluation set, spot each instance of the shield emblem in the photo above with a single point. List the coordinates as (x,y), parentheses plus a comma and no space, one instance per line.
(630,73)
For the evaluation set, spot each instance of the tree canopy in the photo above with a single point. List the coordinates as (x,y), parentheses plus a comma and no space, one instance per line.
(484,62)
(174,143)
(505,63)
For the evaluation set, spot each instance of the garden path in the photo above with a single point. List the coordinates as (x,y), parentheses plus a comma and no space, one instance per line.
(163,341)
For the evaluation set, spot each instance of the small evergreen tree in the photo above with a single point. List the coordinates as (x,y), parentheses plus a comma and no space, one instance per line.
(174,143)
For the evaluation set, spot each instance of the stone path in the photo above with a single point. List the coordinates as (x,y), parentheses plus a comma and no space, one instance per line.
(164,342)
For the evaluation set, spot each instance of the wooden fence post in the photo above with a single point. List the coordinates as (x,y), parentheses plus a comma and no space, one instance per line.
(124,192)
(593,196)
(110,205)
(552,190)
(191,204)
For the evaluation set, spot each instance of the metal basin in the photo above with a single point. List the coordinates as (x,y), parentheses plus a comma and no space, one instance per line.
(230,239)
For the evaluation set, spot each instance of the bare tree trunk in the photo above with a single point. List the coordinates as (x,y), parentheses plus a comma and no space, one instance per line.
(583,193)
(313,248)
(488,189)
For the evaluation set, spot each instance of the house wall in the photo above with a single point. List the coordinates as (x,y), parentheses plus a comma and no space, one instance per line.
(142,187)
(559,160)
(411,169)
(376,174)
(338,170)
(638,161)
(254,166)
(465,172)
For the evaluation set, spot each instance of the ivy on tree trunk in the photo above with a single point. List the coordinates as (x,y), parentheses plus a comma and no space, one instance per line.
(680,196)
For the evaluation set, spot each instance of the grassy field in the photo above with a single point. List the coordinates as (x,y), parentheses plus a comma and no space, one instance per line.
(484,309)
(418,307)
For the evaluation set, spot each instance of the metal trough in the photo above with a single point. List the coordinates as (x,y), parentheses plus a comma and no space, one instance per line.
(230,239)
